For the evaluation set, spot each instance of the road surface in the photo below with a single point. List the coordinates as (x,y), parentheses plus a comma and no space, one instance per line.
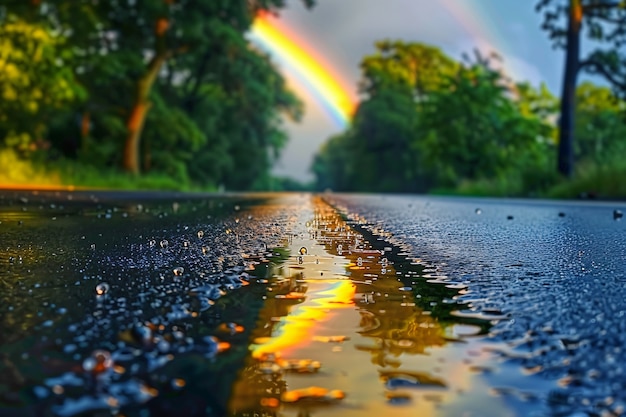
(294,304)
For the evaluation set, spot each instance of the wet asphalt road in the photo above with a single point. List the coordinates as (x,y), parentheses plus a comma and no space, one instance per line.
(548,277)
(556,271)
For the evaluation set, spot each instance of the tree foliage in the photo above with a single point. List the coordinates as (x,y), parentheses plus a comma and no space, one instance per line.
(166,86)
(600,129)
(603,22)
(428,122)
(397,79)
(35,86)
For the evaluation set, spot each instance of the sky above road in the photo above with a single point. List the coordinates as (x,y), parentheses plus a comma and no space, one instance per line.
(343,31)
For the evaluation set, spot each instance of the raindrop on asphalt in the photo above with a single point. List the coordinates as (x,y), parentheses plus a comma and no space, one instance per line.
(102,288)
(98,362)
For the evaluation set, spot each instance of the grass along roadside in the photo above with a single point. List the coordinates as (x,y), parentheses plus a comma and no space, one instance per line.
(63,174)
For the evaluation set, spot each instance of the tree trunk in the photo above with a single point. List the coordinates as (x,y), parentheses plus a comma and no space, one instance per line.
(134,126)
(138,113)
(568,94)
(141,104)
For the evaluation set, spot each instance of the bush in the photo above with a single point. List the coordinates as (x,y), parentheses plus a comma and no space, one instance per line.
(593,180)
(17,171)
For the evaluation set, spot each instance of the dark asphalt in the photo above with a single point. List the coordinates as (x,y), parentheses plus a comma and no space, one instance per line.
(556,270)
(548,277)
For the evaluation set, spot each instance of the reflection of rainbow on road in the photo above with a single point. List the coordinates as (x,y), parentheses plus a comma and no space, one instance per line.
(296,329)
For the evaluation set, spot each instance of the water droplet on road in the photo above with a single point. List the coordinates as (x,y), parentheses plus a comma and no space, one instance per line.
(98,362)
(102,288)
(178,383)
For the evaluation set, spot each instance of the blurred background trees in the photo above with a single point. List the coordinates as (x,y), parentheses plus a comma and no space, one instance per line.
(172,91)
(428,122)
(568,23)
(162,86)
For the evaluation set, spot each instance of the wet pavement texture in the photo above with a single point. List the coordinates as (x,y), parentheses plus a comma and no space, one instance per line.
(549,276)
(115,304)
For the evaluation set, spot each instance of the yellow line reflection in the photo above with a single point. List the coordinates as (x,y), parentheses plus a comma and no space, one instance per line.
(296,328)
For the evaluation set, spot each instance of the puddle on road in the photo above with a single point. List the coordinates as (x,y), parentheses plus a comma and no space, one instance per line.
(346,324)
(350,326)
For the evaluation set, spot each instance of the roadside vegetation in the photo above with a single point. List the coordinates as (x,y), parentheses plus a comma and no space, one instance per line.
(427,123)
(171,95)
(154,94)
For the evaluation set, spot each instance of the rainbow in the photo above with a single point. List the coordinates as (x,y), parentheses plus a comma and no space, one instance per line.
(480,30)
(317,77)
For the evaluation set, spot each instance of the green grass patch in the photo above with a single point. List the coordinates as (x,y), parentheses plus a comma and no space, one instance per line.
(496,187)
(17,171)
(64,173)
(84,176)
(605,181)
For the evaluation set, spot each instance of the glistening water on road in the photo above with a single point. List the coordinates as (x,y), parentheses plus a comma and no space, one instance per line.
(293,304)
(353,327)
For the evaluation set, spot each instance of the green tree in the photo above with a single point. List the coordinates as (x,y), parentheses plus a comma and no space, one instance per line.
(605,23)
(162,30)
(416,67)
(475,128)
(333,165)
(35,85)
(397,80)
(600,127)
(471,124)
(172,86)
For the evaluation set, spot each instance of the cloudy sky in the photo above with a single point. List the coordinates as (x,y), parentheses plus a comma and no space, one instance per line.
(343,31)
